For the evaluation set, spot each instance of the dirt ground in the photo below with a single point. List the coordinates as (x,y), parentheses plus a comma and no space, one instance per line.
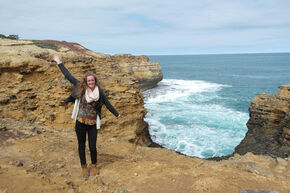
(47,161)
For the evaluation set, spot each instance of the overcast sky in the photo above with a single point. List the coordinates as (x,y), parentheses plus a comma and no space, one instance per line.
(153,27)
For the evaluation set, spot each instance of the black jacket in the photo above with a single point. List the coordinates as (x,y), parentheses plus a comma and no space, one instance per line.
(103,99)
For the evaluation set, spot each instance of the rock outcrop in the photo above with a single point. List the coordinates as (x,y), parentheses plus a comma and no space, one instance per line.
(269,125)
(147,73)
(33,88)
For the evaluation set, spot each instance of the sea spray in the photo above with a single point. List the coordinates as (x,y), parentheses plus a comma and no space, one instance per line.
(201,108)
(189,116)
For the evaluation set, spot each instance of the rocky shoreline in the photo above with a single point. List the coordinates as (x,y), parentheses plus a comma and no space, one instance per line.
(269,125)
(39,148)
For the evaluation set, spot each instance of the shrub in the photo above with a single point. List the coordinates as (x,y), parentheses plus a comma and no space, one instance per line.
(12,37)
(47,45)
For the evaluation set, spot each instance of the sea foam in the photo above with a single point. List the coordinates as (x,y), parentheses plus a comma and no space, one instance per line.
(189,116)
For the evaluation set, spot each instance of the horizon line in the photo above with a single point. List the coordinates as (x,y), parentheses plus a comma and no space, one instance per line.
(242,53)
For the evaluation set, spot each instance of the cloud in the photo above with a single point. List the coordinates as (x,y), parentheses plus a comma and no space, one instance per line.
(150,27)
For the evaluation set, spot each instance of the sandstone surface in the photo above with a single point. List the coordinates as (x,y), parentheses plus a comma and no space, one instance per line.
(39,148)
(269,125)
(147,73)
(33,88)
(45,159)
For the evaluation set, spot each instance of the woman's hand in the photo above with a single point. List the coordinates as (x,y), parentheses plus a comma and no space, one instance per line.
(56,58)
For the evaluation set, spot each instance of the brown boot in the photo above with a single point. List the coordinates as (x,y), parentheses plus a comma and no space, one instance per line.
(85,171)
(94,170)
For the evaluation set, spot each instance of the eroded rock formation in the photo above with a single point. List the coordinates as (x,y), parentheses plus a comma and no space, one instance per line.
(33,88)
(269,125)
(147,73)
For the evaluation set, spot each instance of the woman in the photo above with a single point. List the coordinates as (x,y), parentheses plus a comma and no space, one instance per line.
(88,98)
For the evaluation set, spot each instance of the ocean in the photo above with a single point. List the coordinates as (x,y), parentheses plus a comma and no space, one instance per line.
(200,108)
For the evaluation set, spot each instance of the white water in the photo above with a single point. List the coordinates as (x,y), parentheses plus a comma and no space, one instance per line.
(189,116)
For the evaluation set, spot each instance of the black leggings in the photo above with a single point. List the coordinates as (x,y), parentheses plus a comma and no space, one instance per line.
(81,131)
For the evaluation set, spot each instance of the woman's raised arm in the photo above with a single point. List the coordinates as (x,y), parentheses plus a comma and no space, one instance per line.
(65,71)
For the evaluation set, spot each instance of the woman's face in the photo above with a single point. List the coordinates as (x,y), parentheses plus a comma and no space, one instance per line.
(91,82)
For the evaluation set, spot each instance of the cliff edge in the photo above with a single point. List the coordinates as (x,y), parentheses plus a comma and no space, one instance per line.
(147,73)
(33,88)
(269,125)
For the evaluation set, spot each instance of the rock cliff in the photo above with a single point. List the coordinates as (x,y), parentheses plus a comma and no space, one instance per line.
(269,125)
(33,88)
(147,73)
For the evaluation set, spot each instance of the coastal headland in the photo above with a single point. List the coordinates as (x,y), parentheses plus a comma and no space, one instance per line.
(39,148)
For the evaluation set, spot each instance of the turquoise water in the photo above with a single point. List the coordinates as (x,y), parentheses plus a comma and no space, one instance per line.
(201,106)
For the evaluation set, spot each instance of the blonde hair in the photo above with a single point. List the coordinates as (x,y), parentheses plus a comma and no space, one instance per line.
(82,85)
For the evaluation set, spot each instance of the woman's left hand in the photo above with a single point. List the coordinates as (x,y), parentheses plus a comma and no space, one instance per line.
(56,58)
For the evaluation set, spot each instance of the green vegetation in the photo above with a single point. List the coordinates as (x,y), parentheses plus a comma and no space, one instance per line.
(41,44)
(47,45)
(12,37)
